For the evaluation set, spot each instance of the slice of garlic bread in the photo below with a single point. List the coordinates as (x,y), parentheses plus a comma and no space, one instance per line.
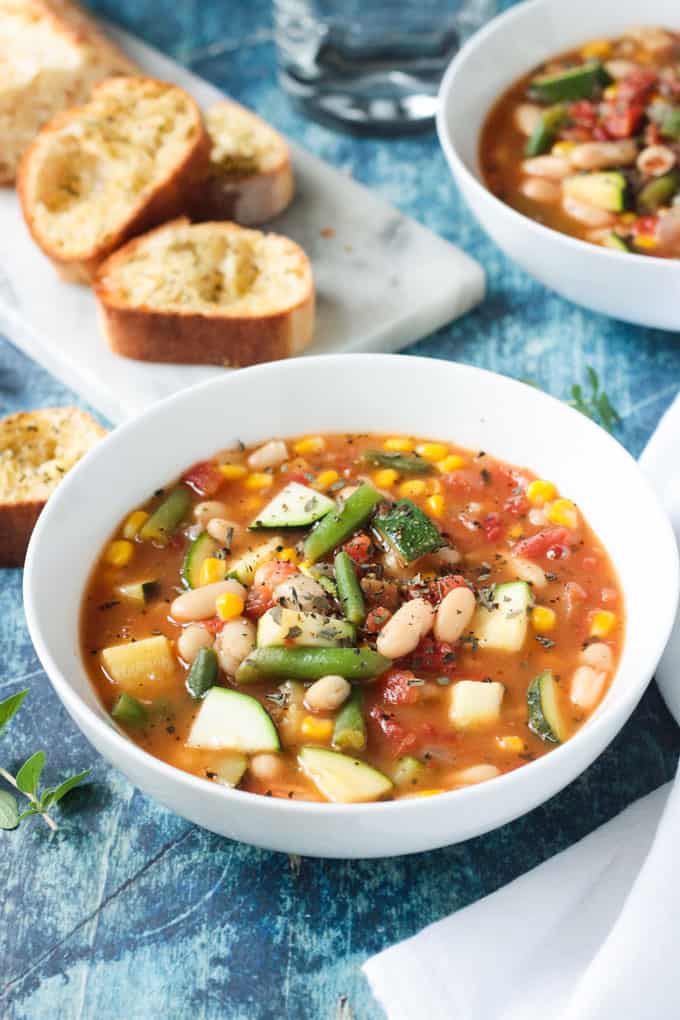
(102,173)
(51,54)
(207,293)
(37,448)
(250,179)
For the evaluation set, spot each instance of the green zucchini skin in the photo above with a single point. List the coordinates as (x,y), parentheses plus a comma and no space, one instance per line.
(202,547)
(141,592)
(312,663)
(544,717)
(605,189)
(349,732)
(129,711)
(339,524)
(408,530)
(296,506)
(670,126)
(545,132)
(166,518)
(658,192)
(577,83)
(202,674)
(404,463)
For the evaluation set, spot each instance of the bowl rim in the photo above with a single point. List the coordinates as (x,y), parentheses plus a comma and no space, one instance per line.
(476,42)
(109,736)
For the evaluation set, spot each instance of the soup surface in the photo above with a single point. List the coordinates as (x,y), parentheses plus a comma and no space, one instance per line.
(352,618)
(589,142)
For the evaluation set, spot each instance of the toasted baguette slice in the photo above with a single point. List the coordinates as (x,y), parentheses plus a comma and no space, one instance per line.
(51,54)
(250,179)
(37,448)
(102,173)
(208,294)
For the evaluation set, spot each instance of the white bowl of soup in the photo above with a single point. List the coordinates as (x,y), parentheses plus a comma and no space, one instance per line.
(352,606)
(608,98)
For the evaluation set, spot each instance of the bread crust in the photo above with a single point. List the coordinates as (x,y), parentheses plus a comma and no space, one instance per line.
(201,338)
(167,200)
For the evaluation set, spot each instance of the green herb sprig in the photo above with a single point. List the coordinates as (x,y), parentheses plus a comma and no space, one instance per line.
(27,780)
(596,404)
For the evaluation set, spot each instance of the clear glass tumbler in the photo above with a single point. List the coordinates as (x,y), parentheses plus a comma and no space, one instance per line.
(373,66)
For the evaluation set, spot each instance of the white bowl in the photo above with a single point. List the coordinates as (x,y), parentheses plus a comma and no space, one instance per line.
(638,288)
(368,392)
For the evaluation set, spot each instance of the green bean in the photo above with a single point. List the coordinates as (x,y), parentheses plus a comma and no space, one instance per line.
(129,711)
(203,673)
(339,524)
(166,518)
(311,663)
(349,590)
(401,462)
(658,192)
(349,732)
(545,132)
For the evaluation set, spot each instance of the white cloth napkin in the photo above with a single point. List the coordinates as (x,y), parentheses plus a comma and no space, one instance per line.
(593,933)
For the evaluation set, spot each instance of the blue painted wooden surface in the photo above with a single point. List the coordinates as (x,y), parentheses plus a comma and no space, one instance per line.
(131,912)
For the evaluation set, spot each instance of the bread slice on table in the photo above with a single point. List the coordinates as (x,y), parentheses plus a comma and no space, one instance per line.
(51,54)
(207,294)
(37,448)
(99,174)
(250,179)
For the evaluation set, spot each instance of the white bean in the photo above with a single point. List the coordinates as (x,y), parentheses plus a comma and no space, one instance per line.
(587,685)
(537,516)
(199,604)
(620,68)
(525,570)
(588,214)
(599,656)
(302,593)
(191,640)
(265,767)
(656,40)
(474,774)
(271,454)
(327,694)
(234,642)
(538,189)
(204,512)
(554,167)
(656,160)
(527,116)
(403,632)
(598,155)
(454,614)
(223,531)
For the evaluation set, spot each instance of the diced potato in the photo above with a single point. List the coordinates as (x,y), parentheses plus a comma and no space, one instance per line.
(475,703)
(141,668)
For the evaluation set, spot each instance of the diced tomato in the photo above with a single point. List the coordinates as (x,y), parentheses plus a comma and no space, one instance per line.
(297,476)
(401,739)
(376,619)
(274,572)
(517,505)
(214,625)
(493,527)
(600,134)
(204,478)
(258,600)
(623,121)
(359,547)
(440,588)
(583,113)
(574,595)
(609,595)
(397,688)
(646,225)
(432,656)
(636,86)
(652,134)
(537,546)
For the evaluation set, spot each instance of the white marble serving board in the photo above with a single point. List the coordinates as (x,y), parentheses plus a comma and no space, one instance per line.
(382,280)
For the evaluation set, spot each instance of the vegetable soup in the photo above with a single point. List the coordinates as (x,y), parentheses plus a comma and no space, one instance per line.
(352,618)
(589,142)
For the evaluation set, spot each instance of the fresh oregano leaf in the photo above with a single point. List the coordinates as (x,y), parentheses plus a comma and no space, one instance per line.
(9,812)
(10,706)
(32,810)
(28,775)
(53,796)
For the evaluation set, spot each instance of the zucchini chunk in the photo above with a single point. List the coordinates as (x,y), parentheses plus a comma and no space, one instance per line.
(475,703)
(342,779)
(128,711)
(404,463)
(607,189)
(280,626)
(504,626)
(141,592)
(148,663)
(575,83)
(233,721)
(200,549)
(615,241)
(545,132)
(409,531)
(658,192)
(165,520)
(545,718)
(243,569)
(408,771)
(296,506)
(229,769)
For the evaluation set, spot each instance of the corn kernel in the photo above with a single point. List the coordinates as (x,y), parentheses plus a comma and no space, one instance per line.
(325,479)
(516,531)
(435,504)
(414,487)
(211,570)
(229,605)
(432,451)
(421,793)
(399,444)
(451,463)
(602,623)
(232,472)
(305,565)
(134,523)
(543,619)
(289,554)
(317,729)
(511,743)
(540,492)
(563,512)
(386,478)
(311,444)
(596,49)
(611,92)
(646,241)
(563,148)
(258,480)
(628,217)
(428,575)
(119,553)
(433,486)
